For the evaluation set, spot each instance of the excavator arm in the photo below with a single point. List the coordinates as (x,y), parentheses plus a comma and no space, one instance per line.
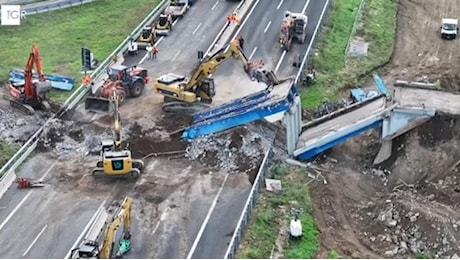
(116,121)
(123,218)
(208,66)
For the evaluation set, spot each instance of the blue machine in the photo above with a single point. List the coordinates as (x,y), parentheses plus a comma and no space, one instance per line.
(57,82)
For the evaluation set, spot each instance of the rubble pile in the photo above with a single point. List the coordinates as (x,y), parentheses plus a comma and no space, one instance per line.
(18,129)
(228,151)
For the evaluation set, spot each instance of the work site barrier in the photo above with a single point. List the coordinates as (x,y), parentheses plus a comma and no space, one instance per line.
(260,177)
(74,99)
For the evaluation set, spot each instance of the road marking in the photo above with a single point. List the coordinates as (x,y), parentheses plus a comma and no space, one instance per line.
(35,240)
(208,216)
(305,7)
(284,52)
(268,25)
(156,44)
(196,29)
(175,56)
(279,5)
(162,217)
(280,61)
(26,197)
(85,230)
(246,19)
(252,53)
(214,6)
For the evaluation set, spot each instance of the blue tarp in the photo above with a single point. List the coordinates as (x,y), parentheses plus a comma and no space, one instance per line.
(57,82)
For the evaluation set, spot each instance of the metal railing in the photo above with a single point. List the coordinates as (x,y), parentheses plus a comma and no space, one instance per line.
(249,206)
(46,6)
(259,180)
(76,97)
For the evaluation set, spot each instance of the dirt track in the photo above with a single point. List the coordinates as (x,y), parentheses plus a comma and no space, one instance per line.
(420,53)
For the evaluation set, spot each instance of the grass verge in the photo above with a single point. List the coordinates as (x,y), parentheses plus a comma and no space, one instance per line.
(7,150)
(269,223)
(100,26)
(376,25)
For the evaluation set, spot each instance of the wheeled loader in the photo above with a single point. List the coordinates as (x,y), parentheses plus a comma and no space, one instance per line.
(125,81)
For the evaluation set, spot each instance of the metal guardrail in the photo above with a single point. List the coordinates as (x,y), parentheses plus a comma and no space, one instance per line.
(249,206)
(76,97)
(259,180)
(48,6)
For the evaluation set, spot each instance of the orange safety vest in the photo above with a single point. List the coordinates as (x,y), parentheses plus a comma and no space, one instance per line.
(86,80)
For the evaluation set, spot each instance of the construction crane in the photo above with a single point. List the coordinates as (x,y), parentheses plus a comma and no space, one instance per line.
(191,94)
(116,161)
(96,250)
(293,27)
(30,95)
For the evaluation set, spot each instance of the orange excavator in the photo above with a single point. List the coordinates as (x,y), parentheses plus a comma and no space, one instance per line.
(29,95)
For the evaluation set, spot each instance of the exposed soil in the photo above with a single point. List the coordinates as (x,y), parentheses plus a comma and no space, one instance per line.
(406,207)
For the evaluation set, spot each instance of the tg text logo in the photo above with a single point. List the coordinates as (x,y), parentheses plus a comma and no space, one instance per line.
(11,14)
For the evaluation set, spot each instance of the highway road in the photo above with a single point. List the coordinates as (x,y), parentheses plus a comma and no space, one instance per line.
(43,222)
(313,134)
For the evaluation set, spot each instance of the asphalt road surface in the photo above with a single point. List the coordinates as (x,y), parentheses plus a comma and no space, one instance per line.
(442,101)
(42,222)
(313,134)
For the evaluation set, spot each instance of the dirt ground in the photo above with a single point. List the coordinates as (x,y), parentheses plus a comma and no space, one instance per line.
(420,53)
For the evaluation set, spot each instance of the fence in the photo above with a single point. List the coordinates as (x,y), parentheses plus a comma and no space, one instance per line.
(75,98)
(259,180)
(353,30)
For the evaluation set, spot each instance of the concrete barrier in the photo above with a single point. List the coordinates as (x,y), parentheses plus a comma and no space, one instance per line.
(7,180)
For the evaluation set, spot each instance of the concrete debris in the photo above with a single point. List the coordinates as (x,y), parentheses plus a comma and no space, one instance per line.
(16,129)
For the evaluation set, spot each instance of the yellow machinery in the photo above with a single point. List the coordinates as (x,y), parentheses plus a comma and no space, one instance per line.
(147,36)
(189,95)
(164,24)
(94,249)
(116,161)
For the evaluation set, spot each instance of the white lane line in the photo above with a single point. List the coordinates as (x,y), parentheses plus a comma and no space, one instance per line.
(208,216)
(175,56)
(26,197)
(85,230)
(246,19)
(35,240)
(280,61)
(279,5)
(156,44)
(305,7)
(284,52)
(214,6)
(268,26)
(252,53)
(196,29)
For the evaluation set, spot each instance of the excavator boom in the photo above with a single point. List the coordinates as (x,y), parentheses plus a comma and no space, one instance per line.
(182,93)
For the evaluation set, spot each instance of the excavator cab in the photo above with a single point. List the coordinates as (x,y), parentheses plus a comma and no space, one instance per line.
(147,36)
(164,25)
(88,250)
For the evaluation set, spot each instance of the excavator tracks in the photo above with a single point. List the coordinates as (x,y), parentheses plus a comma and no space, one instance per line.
(24,108)
(99,172)
(184,108)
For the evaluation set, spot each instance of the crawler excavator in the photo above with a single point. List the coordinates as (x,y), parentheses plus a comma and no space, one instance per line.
(94,249)
(191,94)
(30,95)
(115,160)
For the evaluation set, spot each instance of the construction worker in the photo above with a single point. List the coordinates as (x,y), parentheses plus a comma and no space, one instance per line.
(149,50)
(86,80)
(155,51)
(241,40)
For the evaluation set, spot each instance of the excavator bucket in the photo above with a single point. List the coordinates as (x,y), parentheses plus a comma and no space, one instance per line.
(98,105)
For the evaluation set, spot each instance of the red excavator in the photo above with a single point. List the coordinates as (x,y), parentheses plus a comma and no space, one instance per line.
(30,94)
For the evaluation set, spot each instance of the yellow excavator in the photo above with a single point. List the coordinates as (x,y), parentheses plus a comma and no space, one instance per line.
(117,161)
(93,249)
(191,94)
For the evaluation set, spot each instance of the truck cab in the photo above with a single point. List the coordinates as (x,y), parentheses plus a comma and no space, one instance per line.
(449,28)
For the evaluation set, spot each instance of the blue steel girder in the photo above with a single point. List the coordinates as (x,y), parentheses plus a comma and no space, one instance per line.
(337,138)
(381,86)
(225,123)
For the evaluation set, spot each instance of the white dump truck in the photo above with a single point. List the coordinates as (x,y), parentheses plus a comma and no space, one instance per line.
(449,28)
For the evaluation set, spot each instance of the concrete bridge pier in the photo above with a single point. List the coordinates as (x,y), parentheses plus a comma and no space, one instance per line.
(397,122)
(293,121)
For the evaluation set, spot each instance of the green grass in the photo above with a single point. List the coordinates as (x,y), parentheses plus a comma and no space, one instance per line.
(264,226)
(7,150)
(376,25)
(100,26)
(332,255)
